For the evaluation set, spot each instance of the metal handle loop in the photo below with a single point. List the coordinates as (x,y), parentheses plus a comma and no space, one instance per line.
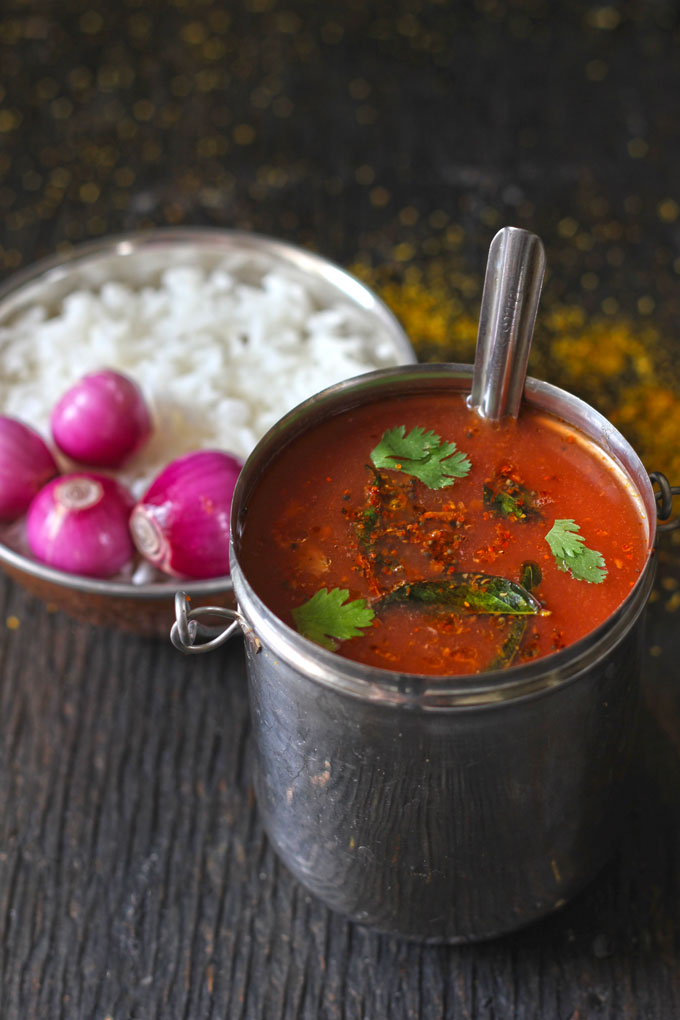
(186,629)
(664,500)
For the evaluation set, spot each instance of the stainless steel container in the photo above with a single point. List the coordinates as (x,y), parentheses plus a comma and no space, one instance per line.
(441,809)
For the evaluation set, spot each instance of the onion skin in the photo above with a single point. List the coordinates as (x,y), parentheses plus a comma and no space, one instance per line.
(79,523)
(182,522)
(102,420)
(26,464)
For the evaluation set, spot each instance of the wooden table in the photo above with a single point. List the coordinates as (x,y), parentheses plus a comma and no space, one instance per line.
(135,879)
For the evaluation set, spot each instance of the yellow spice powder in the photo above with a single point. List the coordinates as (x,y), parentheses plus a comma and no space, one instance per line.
(614,364)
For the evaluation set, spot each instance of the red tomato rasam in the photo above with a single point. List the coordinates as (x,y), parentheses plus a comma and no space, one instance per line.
(412,535)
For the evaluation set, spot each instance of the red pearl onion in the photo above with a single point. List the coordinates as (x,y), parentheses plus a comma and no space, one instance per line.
(79,523)
(101,420)
(26,465)
(182,523)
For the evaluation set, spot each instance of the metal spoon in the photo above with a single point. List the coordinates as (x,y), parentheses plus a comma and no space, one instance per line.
(512,288)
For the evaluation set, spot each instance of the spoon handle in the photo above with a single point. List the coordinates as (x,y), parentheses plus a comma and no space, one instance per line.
(512,288)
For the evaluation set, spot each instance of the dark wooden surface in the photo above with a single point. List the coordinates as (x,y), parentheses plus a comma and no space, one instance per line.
(135,880)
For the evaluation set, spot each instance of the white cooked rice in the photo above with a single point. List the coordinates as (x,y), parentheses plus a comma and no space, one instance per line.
(219,358)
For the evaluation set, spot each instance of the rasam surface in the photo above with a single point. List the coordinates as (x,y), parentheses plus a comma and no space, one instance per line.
(410,560)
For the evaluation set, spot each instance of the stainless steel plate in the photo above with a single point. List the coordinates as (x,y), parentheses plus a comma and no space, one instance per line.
(139,259)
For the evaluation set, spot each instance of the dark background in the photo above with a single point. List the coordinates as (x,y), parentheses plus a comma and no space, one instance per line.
(394,138)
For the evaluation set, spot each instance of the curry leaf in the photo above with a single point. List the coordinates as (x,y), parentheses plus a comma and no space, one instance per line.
(530,576)
(511,645)
(467,593)
(425,455)
(573,555)
(510,500)
(328,617)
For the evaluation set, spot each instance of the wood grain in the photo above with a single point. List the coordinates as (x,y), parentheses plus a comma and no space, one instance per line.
(135,880)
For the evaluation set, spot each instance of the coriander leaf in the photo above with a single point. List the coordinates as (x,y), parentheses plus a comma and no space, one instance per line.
(467,593)
(425,455)
(571,554)
(328,615)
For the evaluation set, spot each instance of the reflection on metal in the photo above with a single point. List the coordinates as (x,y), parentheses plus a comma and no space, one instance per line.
(512,289)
